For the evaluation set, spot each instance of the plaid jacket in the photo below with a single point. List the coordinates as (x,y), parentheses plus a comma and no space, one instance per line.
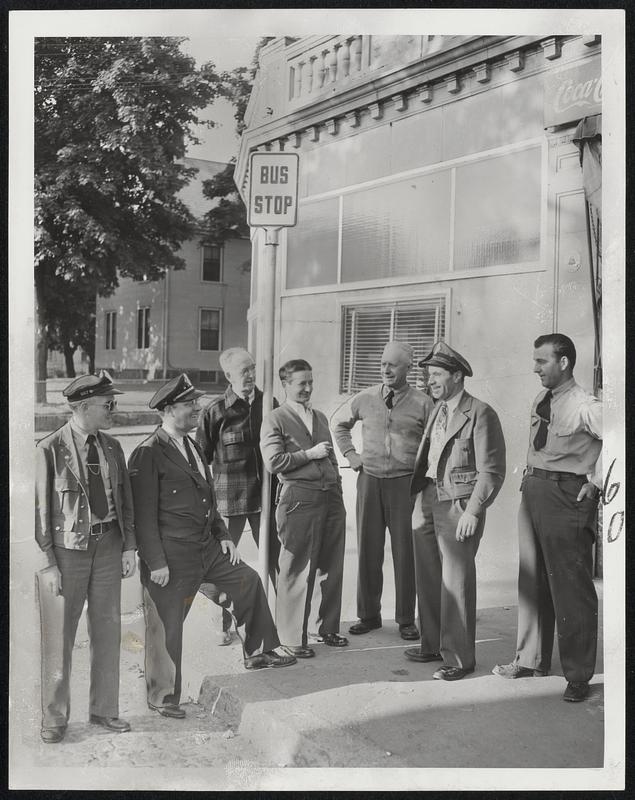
(229,435)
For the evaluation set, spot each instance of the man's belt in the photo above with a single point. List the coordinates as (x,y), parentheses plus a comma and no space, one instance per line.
(548,475)
(97,528)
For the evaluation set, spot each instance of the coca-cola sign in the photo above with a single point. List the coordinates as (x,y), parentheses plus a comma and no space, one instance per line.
(573,93)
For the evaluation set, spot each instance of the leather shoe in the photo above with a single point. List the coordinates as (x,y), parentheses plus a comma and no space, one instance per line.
(112,723)
(415,654)
(576,692)
(409,631)
(269,659)
(365,625)
(299,652)
(223,638)
(334,640)
(446,673)
(53,735)
(514,670)
(169,710)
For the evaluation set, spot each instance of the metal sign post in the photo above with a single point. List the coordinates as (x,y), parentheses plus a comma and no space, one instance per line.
(273,204)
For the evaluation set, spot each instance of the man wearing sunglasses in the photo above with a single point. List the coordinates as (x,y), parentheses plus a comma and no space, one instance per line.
(85,534)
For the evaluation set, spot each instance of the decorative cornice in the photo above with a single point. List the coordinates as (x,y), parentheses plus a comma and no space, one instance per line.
(333,115)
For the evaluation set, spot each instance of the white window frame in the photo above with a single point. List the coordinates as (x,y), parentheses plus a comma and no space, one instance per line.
(451,273)
(221,260)
(220,328)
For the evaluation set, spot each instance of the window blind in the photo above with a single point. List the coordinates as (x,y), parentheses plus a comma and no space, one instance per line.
(367,329)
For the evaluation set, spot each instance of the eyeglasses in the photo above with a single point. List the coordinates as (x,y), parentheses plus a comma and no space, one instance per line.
(189,403)
(109,405)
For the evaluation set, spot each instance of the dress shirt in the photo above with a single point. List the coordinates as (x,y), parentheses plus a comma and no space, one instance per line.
(433,458)
(177,441)
(248,399)
(398,394)
(574,438)
(80,439)
(305,414)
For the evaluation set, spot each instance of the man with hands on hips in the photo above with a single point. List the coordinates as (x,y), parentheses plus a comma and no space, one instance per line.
(459,469)
(183,542)
(85,534)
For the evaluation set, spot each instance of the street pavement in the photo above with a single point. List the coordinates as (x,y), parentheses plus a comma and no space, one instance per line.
(361,706)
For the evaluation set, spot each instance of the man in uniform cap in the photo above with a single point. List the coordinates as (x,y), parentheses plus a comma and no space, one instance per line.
(459,469)
(85,534)
(393,417)
(183,542)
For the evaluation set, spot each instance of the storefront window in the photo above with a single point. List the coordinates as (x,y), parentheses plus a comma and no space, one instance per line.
(312,245)
(497,211)
(397,229)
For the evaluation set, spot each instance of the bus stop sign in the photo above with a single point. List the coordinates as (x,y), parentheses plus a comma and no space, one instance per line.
(273,190)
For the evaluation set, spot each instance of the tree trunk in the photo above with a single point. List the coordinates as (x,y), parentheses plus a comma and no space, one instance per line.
(41,343)
(69,352)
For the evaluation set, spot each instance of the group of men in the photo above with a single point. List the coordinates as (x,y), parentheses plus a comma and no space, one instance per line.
(428,468)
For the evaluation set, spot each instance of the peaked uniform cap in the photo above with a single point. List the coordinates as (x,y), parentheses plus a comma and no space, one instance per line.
(442,355)
(90,386)
(178,390)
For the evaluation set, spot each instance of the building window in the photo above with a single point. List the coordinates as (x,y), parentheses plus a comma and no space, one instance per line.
(209,329)
(143,328)
(478,213)
(312,246)
(111,330)
(366,329)
(211,260)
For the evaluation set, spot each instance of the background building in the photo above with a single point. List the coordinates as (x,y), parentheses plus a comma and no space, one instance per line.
(441,196)
(157,329)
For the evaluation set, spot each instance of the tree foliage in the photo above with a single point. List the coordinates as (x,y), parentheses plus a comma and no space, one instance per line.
(228,218)
(113,117)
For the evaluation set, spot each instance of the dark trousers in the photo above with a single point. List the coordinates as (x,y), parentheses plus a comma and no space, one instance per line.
(312,532)
(555,579)
(235,527)
(384,503)
(166,608)
(446,579)
(92,575)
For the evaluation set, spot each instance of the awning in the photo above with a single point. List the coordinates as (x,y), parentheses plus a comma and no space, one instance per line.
(588,138)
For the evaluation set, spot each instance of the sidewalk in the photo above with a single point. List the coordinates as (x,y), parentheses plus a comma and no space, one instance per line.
(361,706)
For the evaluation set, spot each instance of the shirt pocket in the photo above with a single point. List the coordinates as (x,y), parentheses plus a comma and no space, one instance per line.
(235,445)
(562,439)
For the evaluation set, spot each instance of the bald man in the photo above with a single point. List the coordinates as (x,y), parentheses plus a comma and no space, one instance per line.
(394,416)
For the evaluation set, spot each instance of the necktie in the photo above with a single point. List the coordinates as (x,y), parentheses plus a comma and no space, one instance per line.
(389,398)
(442,419)
(437,436)
(543,409)
(190,453)
(96,489)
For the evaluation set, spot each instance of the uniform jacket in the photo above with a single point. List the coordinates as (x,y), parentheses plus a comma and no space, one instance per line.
(171,500)
(229,435)
(62,509)
(472,462)
(284,439)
